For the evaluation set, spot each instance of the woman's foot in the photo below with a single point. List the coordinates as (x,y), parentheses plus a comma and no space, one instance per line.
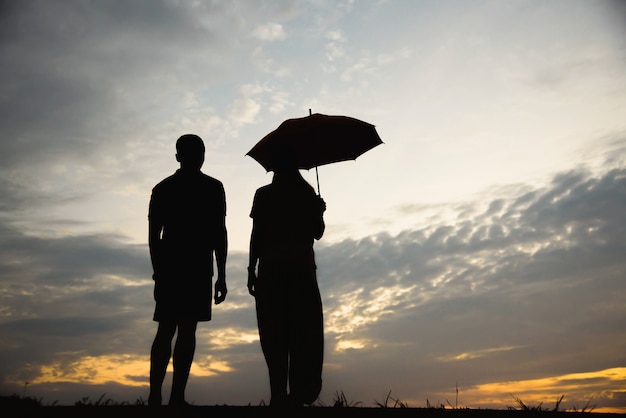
(178,402)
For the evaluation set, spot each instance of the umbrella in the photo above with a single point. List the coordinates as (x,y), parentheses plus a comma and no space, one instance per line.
(316,140)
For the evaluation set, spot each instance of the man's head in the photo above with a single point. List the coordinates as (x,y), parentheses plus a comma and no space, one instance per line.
(190,152)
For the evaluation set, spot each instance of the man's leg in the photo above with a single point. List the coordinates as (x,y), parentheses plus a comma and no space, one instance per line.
(183,357)
(159,359)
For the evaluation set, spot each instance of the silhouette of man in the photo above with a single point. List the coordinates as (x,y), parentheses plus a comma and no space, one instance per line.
(186,228)
(287,217)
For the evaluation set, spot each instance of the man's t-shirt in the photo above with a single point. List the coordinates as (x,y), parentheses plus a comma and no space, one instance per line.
(191,207)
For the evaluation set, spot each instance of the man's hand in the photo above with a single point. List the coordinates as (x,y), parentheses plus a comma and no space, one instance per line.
(220,290)
(252,281)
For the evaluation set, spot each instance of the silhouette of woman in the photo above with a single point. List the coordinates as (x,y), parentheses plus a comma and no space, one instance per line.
(287,217)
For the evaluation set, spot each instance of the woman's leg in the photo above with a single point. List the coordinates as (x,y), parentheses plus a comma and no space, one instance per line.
(271,319)
(306,354)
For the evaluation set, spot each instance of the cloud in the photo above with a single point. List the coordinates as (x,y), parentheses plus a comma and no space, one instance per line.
(334,49)
(280,101)
(474,301)
(270,32)
(584,389)
(488,290)
(94,94)
(246,107)
(475,354)
(64,67)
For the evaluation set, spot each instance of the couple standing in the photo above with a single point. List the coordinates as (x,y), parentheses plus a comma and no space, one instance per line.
(187,229)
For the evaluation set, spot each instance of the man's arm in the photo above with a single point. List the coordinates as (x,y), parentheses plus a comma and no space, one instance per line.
(221,251)
(154,244)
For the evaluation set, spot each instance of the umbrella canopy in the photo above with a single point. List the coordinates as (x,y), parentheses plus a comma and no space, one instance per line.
(316,140)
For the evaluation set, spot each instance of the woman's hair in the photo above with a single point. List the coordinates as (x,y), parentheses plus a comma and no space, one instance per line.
(292,178)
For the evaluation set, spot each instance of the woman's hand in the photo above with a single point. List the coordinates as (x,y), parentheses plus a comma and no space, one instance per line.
(322,204)
(252,279)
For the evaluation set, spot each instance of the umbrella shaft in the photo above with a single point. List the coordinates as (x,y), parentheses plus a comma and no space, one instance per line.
(318,181)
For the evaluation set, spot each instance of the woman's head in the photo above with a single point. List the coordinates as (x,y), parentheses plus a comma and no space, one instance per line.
(284,160)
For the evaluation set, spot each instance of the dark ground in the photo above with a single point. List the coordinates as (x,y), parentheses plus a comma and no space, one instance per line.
(263,411)
(19,407)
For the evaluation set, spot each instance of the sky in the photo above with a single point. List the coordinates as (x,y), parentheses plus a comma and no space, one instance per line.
(475,256)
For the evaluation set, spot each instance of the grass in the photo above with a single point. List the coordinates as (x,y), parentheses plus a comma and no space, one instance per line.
(102,401)
(29,402)
(397,403)
(340,400)
(522,406)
